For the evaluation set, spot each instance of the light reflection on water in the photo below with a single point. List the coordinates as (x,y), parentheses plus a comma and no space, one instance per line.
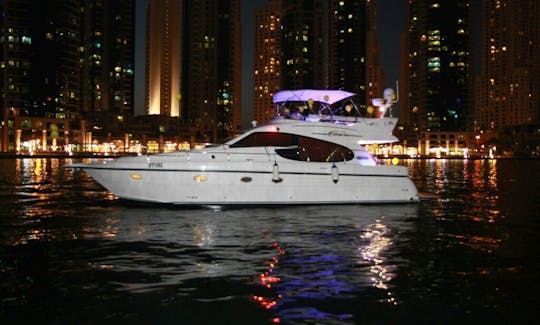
(69,249)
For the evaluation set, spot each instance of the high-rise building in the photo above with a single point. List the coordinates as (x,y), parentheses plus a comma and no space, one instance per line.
(508,88)
(440,65)
(211,67)
(348,30)
(375,83)
(163,58)
(62,61)
(229,68)
(305,44)
(108,55)
(323,45)
(266,63)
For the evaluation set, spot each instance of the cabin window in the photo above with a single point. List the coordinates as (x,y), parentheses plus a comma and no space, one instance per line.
(310,149)
(267,139)
(299,147)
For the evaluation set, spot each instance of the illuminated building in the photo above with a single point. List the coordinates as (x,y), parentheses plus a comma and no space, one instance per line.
(62,61)
(108,56)
(323,45)
(163,58)
(211,67)
(508,87)
(266,63)
(439,65)
(375,83)
(304,44)
(348,30)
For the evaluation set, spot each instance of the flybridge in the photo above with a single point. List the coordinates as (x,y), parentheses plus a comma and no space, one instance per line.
(316,105)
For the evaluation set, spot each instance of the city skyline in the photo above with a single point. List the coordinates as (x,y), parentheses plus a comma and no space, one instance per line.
(388,35)
(443,89)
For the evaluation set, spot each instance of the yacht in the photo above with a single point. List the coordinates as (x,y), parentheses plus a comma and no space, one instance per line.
(311,152)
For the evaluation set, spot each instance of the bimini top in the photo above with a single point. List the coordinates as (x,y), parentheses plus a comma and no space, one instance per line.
(303,95)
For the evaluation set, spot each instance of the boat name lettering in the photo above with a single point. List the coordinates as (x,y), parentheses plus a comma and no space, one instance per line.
(155,165)
(337,133)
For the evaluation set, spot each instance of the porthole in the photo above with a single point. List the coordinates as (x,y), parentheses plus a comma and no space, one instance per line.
(200,178)
(246,179)
(136,176)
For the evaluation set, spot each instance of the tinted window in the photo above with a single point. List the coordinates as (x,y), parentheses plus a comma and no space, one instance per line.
(267,139)
(304,148)
(310,149)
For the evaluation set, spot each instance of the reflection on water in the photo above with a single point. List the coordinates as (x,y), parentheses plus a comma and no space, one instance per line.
(341,258)
(467,190)
(70,250)
(378,242)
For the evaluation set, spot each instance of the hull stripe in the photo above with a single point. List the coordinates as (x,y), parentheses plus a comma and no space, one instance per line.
(234,171)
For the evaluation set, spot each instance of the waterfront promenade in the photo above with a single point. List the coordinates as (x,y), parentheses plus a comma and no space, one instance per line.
(65,155)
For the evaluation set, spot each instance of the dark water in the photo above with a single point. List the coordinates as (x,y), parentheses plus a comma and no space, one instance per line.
(71,253)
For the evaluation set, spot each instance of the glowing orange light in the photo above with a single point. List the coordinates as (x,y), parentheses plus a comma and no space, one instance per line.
(199,178)
(266,280)
(136,176)
(270,279)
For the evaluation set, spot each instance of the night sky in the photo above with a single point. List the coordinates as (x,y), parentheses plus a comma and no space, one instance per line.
(390,23)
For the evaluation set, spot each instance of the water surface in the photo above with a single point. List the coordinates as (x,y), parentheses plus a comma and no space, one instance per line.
(70,252)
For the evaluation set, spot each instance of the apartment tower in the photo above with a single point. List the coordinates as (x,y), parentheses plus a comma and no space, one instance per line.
(211,61)
(440,64)
(64,61)
(508,88)
(375,82)
(163,58)
(266,63)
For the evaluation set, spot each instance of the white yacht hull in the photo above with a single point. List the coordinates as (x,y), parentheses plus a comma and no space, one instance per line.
(255,183)
(302,156)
